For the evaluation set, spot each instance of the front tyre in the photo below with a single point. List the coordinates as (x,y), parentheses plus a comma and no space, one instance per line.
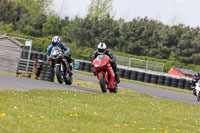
(102,82)
(59,74)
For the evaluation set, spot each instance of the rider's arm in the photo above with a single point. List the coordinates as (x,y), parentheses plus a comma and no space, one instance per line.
(111,56)
(94,55)
(49,49)
(64,47)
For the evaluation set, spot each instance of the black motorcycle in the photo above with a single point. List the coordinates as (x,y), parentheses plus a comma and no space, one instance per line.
(61,65)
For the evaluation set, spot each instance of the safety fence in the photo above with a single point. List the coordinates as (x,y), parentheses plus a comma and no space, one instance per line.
(43,72)
(138,63)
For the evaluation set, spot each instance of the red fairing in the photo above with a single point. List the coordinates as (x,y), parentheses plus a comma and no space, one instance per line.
(102,65)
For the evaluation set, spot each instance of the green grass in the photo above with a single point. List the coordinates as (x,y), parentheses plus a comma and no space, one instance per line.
(6,73)
(60,111)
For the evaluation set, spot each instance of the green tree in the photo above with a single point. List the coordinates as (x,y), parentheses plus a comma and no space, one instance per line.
(100,9)
(51,27)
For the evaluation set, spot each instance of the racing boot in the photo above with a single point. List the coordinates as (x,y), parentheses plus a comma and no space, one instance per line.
(71,67)
(194,92)
(117,77)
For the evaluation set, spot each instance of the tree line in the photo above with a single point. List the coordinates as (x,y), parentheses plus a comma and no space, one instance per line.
(140,36)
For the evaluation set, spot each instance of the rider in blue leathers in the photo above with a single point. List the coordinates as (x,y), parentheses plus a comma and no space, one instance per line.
(56,42)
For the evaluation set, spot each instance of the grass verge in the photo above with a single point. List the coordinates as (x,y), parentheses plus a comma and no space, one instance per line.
(60,111)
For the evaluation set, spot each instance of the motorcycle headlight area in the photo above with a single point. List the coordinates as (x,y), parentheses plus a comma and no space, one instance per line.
(55,53)
(96,65)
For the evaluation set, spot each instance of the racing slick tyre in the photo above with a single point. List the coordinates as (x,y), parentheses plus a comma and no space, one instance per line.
(102,82)
(68,79)
(59,74)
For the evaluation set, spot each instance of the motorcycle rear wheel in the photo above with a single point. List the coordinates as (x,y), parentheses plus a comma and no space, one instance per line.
(68,80)
(102,82)
(59,74)
(114,90)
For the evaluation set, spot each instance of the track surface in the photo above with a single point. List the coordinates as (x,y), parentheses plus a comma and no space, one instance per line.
(19,83)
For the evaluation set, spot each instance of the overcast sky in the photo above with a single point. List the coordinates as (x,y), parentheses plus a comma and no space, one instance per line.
(167,11)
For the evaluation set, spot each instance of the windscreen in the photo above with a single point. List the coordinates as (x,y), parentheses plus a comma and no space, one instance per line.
(56,48)
(101,57)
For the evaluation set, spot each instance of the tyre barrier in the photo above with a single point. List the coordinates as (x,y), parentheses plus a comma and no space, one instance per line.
(161,80)
(33,55)
(47,73)
(187,85)
(140,76)
(147,77)
(174,82)
(44,57)
(88,67)
(40,56)
(81,66)
(24,54)
(154,79)
(134,75)
(76,64)
(127,74)
(167,81)
(121,72)
(181,83)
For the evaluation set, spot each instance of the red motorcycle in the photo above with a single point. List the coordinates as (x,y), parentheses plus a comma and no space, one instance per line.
(105,74)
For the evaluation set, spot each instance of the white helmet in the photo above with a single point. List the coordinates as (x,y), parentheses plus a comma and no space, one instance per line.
(55,40)
(101,48)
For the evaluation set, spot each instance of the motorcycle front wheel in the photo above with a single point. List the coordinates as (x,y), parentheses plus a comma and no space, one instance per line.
(102,82)
(59,74)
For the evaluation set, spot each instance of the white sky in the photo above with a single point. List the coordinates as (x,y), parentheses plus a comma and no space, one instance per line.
(167,11)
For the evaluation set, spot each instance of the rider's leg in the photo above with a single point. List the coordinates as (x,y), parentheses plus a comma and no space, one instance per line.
(114,66)
(194,91)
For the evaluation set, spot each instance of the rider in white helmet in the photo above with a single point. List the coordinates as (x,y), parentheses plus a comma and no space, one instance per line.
(194,81)
(101,49)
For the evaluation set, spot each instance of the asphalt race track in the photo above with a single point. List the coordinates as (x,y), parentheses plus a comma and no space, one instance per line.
(20,83)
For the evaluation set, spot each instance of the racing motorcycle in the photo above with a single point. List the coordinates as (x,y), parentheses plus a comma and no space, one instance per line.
(105,74)
(197,89)
(61,66)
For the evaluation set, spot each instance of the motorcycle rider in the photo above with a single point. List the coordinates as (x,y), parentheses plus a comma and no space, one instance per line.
(67,55)
(194,81)
(102,50)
